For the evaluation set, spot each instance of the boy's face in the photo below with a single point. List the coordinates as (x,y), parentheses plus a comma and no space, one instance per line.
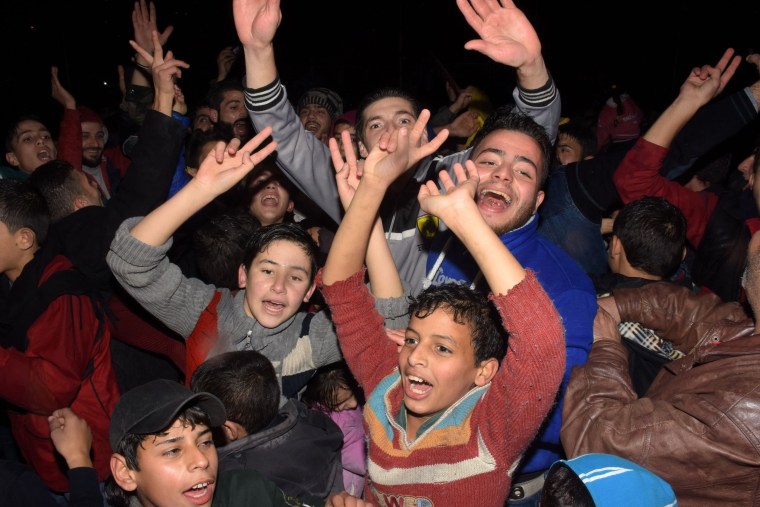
(277,283)
(385,115)
(437,364)
(32,146)
(568,149)
(270,199)
(509,165)
(177,468)
(316,119)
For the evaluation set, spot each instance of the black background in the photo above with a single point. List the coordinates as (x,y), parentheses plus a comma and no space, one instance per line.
(354,47)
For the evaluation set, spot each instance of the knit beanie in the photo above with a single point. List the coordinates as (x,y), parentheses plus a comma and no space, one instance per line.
(614,481)
(323,97)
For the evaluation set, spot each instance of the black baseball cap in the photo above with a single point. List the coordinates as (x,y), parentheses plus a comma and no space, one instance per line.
(151,407)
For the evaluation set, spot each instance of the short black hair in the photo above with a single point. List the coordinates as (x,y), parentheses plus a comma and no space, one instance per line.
(219,246)
(217,91)
(291,232)
(653,234)
(321,392)
(12,130)
(245,382)
(510,118)
(128,447)
(55,181)
(468,307)
(22,206)
(382,93)
(563,488)
(583,133)
(197,139)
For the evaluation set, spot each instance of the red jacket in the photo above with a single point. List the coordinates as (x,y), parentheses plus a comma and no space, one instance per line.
(65,364)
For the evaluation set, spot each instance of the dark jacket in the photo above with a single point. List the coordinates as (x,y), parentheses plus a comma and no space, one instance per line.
(300,452)
(697,425)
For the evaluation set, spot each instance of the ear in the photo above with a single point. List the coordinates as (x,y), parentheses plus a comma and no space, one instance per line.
(363,151)
(214,115)
(192,171)
(80,202)
(539,199)
(486,371)
(11,159)
(230,431)
(291,206)
(25,238)
(242,276)
(123,476)
(310,292)
(683,254)
(616,247)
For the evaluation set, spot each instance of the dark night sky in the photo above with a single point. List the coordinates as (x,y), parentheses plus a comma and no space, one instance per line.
(356,46)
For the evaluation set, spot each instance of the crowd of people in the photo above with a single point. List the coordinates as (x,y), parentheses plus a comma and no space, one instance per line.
(257,299)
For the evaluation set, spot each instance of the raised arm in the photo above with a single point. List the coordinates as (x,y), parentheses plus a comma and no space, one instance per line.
(507,37)
(256,22)
(222,168)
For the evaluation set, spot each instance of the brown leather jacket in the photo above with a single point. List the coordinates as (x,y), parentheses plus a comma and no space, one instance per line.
(699,425)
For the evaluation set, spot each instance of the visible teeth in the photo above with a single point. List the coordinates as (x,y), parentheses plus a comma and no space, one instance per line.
(497,193)
(200,486)
(412,378)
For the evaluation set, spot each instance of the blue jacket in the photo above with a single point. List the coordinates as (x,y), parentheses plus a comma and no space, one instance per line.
(569,288)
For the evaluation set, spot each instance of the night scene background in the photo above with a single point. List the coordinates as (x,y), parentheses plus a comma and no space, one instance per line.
(354,47)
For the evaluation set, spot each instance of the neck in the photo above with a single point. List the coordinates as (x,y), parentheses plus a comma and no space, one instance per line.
(630,271)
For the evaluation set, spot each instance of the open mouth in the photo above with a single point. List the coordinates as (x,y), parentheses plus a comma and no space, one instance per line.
(200,493)
(43,155)
(417,387)
(494,198)
(270,200)
(273,307)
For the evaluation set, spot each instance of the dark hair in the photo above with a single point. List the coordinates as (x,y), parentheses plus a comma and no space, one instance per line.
(219,246)
(217,91)
(246,384)
(22,206)
(653,234)
(467,307)
(510,118)
(55,181)
(12,131)
(293,233)
(127,447)
(563,488)
(382,93)
(321,392)
(197,140)
(583,133)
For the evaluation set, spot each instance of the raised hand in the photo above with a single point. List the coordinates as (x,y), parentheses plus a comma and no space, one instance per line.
(165,69)
(256,21)
(224,61)
(458,201)
(706,82)
(506,35)
(226,165)
(144,24)
(346,170)
(59,93)
(71,437)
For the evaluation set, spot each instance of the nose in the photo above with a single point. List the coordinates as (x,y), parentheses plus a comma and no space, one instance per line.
(349,404)
(198,459)
(417,356)
(502,172)
(278,284)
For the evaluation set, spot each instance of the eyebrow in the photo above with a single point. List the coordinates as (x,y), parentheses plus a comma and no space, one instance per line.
(178,438)
(393,115)
(516,158)
(21,133)
(270,261)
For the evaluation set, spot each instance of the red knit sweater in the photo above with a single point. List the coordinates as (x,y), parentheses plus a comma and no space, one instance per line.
(468,455)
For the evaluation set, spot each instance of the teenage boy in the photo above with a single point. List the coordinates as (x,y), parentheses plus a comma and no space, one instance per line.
(54,339)
(276,277)
(164,455)
(28,145)
(446,422)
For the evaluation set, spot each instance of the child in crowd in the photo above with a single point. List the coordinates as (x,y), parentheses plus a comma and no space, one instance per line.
(448,417)
(164,455)
(334,391)
(276,277)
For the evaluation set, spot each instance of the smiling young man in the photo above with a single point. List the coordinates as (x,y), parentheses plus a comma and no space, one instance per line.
(275,279)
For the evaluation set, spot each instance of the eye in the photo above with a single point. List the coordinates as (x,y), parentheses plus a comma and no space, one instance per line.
(296,278)
(172,452)
(405,121)
(524,173)
(410,341)
(206,443)
(443,350)
(375,126)
(45,137)
(266,271)
(26,139)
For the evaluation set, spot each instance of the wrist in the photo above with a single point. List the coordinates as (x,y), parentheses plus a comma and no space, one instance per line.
(79,460)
